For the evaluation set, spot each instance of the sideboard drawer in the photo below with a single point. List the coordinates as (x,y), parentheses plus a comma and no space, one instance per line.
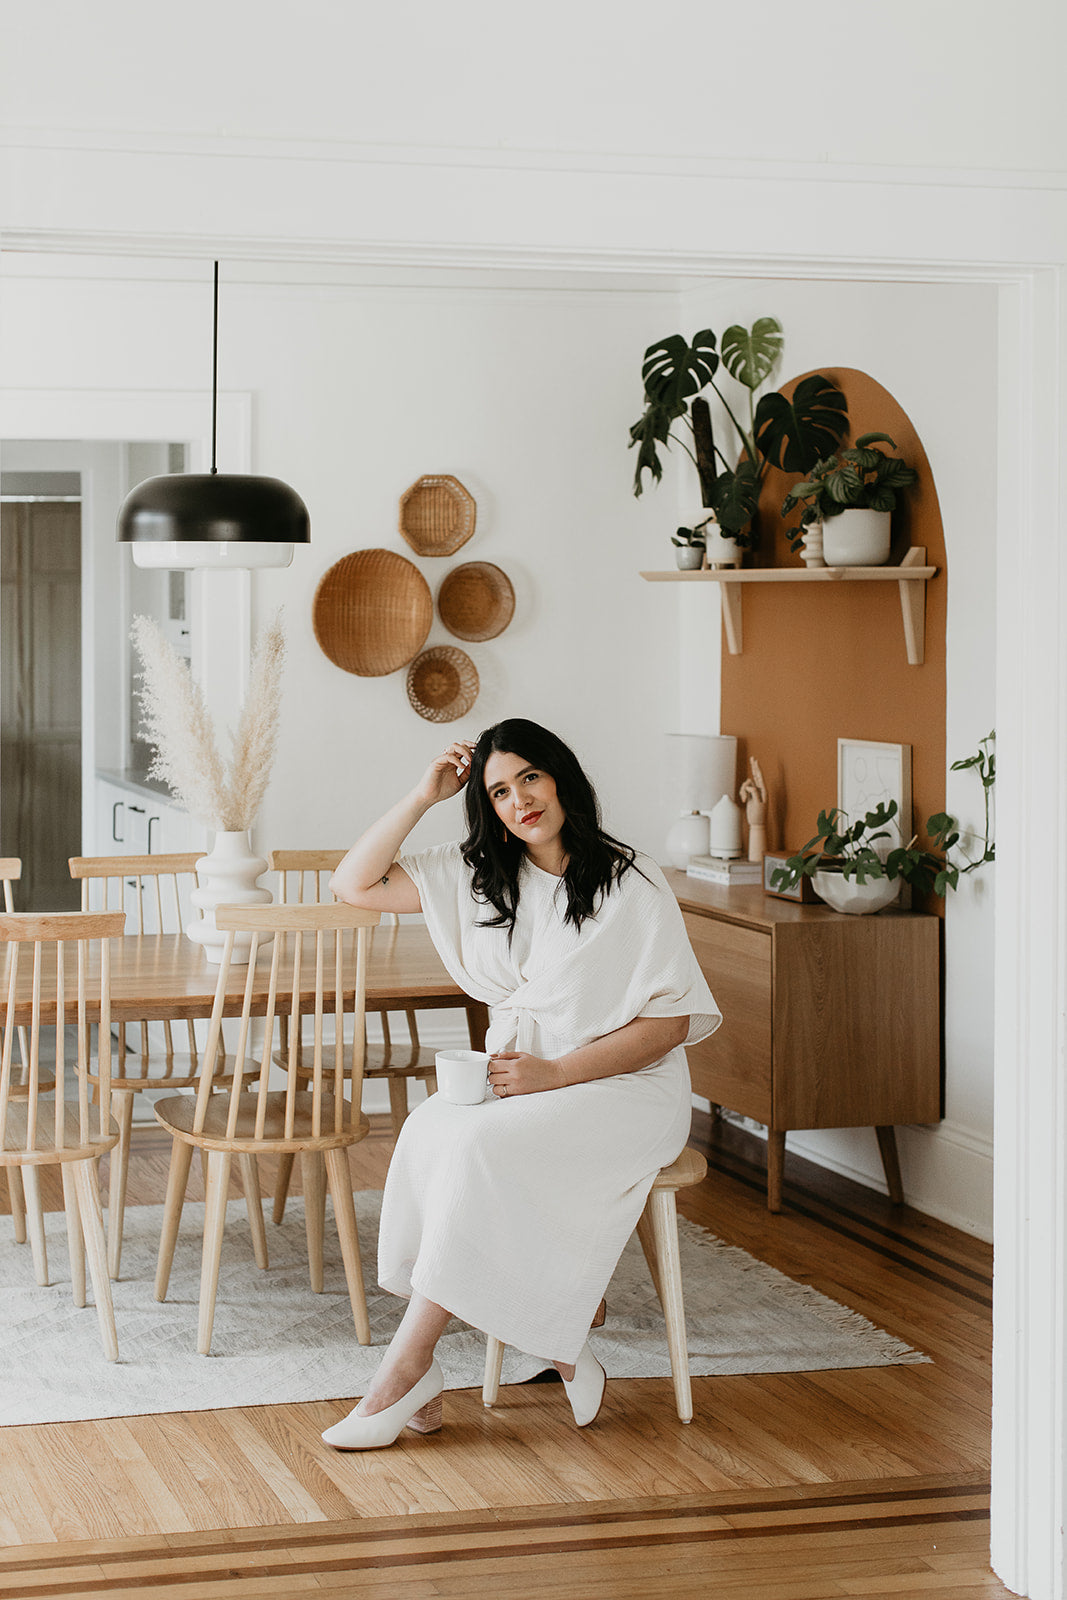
(733,1067)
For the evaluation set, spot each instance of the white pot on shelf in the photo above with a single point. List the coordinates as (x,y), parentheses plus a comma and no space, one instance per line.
(226,877)
(848,894)
(721,550)
(856,537)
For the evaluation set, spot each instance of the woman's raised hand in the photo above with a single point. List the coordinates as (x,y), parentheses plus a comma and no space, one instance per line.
(446,776)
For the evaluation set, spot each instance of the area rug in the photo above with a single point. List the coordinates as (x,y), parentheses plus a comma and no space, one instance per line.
(275,1341)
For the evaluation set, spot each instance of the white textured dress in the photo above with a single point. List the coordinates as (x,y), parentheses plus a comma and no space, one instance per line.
(513,1213)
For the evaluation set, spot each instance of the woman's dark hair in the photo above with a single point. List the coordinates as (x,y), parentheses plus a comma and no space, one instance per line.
(595,861)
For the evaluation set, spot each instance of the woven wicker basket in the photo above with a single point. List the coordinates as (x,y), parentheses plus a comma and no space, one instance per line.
(476,601)
(437,515)
(371,613)
(442,683)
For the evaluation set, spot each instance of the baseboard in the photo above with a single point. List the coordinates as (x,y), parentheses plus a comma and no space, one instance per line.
(947,1169)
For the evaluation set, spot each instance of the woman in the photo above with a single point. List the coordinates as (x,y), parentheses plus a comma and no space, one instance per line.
(512,1214)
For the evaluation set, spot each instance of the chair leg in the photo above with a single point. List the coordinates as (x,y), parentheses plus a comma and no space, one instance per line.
(18,1203)
(75,1236)
(313,1176)
(494,1360)
(648,1245)
(218,1184)
(35,1223)
(254,1206)
(398,1103)
(92,1223)
(118,1172)
(281,1184)
(665,1232)
(344,1210)
(181,1159)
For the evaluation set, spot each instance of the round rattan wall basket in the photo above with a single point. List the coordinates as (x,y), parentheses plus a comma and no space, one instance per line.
(372,612)
(476,601)
(442,683)
(437,515)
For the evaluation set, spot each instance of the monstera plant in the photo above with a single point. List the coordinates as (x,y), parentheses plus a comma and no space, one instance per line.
(792,434)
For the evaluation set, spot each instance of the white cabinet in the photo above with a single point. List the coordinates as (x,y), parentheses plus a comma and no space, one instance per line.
(131,820)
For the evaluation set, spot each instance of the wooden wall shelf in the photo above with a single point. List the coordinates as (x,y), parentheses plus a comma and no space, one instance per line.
(911,577)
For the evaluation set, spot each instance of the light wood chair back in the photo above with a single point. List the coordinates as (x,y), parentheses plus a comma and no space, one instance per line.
(155,891)
(303,876)
(657,1229)
(318,969)
(68,957)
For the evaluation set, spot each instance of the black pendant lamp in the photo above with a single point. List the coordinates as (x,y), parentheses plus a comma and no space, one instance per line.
(200,519)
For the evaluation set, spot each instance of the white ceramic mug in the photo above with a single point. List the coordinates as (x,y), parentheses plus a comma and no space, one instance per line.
(462,1076)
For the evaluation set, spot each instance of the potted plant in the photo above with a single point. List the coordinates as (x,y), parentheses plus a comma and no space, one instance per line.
(792,433)
(689,547)
(851,874)
(853,494)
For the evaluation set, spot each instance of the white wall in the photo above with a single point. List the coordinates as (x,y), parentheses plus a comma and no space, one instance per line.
(526,397)
(917,88)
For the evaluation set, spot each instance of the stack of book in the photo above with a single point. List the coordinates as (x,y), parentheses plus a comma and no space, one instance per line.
(724,869)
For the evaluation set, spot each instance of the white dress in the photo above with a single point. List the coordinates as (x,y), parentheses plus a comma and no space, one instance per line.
(513,1213)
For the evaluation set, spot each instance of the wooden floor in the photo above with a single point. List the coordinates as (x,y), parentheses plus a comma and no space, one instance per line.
(860,1483)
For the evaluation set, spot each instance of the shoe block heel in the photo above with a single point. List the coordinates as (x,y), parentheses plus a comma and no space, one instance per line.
(601,1315)
(429,1419)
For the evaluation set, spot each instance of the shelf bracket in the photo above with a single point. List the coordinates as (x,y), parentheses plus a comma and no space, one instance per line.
(731,615)
(913,608)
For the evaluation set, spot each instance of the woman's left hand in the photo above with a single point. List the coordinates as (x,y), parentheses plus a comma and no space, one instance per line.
(514,1072)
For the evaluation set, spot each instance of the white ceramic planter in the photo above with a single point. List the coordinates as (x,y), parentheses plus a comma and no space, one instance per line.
(856,538)
(847,894)
(721,551)
(688,558)
(227,877)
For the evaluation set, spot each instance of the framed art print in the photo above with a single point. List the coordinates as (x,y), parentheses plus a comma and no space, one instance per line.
(869,772)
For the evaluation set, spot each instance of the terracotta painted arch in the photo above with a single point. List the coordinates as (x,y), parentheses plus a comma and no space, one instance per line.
(827,661)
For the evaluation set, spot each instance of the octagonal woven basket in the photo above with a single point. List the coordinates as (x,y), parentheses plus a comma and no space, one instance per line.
(437,515)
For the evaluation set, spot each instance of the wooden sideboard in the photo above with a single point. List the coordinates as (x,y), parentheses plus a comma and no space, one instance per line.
(829,1021)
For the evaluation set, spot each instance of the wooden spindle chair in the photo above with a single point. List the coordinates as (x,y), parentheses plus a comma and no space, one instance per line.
(160,887)
(303,878)
(72,951)
(23,1192)
(316,1116)
(657,1229)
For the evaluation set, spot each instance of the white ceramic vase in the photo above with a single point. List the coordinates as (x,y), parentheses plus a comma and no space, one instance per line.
(857,537)
(226,877)
(811,550)
(720,550)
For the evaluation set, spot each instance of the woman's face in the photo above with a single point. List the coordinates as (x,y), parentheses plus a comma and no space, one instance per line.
(524,798)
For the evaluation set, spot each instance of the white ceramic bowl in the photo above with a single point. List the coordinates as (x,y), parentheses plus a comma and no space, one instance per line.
(848,894)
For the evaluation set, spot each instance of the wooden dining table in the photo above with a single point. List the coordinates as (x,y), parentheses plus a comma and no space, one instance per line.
(160,977)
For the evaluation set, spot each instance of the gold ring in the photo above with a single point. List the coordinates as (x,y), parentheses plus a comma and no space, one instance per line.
(503,1092)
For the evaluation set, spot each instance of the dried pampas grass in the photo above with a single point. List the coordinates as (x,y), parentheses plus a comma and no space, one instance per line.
(177,722)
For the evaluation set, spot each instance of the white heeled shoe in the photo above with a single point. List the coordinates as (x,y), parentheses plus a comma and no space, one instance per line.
(585,1391)
(419,1409)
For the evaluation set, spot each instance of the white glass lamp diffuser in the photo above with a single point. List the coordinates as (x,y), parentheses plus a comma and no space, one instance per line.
(702,768)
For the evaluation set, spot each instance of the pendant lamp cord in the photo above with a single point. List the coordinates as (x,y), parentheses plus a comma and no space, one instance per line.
(214,368)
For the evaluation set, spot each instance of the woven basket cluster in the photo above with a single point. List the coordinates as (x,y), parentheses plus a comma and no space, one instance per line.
(373,609)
